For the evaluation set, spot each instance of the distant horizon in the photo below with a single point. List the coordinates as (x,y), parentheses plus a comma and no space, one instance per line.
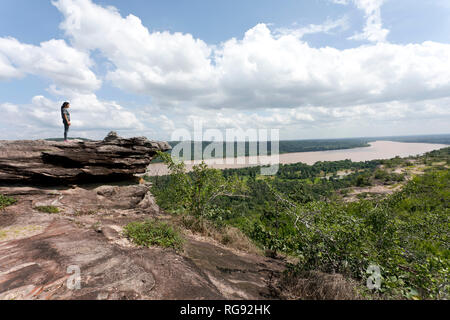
(318,139)
(345,138)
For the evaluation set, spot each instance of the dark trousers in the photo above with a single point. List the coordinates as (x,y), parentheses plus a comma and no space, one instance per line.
(66,130)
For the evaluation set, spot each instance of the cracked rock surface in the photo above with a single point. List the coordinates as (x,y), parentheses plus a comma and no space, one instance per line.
(41,161)
(38,250)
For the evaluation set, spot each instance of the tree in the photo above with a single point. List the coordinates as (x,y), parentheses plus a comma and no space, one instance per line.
(197,191)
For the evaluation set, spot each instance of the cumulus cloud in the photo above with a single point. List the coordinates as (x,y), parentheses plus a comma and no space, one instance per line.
(91,117)
(157,63)
(7,70)
(265,69)
(9,109)
(324,122)
(53,59)
(89,113)
(266,78)
(69,69)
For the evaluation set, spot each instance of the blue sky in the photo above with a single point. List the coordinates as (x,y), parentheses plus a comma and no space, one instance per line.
(216,21)
(313,69)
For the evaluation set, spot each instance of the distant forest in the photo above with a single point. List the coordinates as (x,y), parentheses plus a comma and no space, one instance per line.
(436,138)
(287,146)
(290,146)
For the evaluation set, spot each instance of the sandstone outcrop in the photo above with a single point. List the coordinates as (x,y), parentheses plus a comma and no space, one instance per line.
(38,249)
(113,158)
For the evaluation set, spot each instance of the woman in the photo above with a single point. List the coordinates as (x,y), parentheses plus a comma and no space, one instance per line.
(66,118)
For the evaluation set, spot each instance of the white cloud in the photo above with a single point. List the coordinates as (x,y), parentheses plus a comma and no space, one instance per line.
(9,109)
(88,113)
(7,70)
(155,63)
(53,59)
(326,27)
(264,79)
(263,70)
(42,117)
(373,30)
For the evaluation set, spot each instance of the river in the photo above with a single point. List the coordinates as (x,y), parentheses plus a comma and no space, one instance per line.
(376,150)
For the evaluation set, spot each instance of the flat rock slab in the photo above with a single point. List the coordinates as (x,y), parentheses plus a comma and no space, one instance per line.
(39,267)
(44,161)
(39,252)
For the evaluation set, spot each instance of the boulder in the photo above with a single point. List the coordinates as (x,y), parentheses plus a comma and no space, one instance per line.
(41,161)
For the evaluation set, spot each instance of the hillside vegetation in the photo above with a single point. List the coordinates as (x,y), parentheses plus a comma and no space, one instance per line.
(308,213)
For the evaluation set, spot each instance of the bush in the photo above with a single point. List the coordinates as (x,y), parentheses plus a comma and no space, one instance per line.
(406,235)
(196,192)
(363,180)
(6,201)
(152,232)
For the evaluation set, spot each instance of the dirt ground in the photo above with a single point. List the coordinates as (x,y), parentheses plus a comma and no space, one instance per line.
(380,189)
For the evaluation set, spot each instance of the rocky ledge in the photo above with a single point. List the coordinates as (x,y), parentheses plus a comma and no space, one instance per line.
(37,250)
(85,229)
(44,161)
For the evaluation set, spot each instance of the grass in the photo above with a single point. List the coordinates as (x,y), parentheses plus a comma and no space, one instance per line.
(154,233)
(47,209)
(6,201)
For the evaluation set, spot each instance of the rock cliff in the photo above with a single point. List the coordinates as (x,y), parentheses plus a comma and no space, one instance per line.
(85,227)
(113,158)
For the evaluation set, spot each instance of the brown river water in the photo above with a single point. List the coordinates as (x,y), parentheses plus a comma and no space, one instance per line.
(377,150)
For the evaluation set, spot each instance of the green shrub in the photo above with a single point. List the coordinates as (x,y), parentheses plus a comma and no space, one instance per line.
(196,192)
(6,201)
(152,232)
(47,209)
(363,180)
(406,235)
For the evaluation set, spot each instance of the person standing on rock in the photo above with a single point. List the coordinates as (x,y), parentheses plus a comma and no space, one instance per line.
(66,118)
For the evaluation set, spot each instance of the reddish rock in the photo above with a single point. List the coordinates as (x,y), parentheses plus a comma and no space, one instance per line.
(76,161)
(37,250)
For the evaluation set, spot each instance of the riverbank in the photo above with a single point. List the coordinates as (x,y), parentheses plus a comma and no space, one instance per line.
(376,150)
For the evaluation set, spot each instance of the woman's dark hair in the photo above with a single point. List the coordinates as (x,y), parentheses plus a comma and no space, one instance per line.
(65,104)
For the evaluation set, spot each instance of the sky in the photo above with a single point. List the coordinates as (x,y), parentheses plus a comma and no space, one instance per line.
(312,69)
